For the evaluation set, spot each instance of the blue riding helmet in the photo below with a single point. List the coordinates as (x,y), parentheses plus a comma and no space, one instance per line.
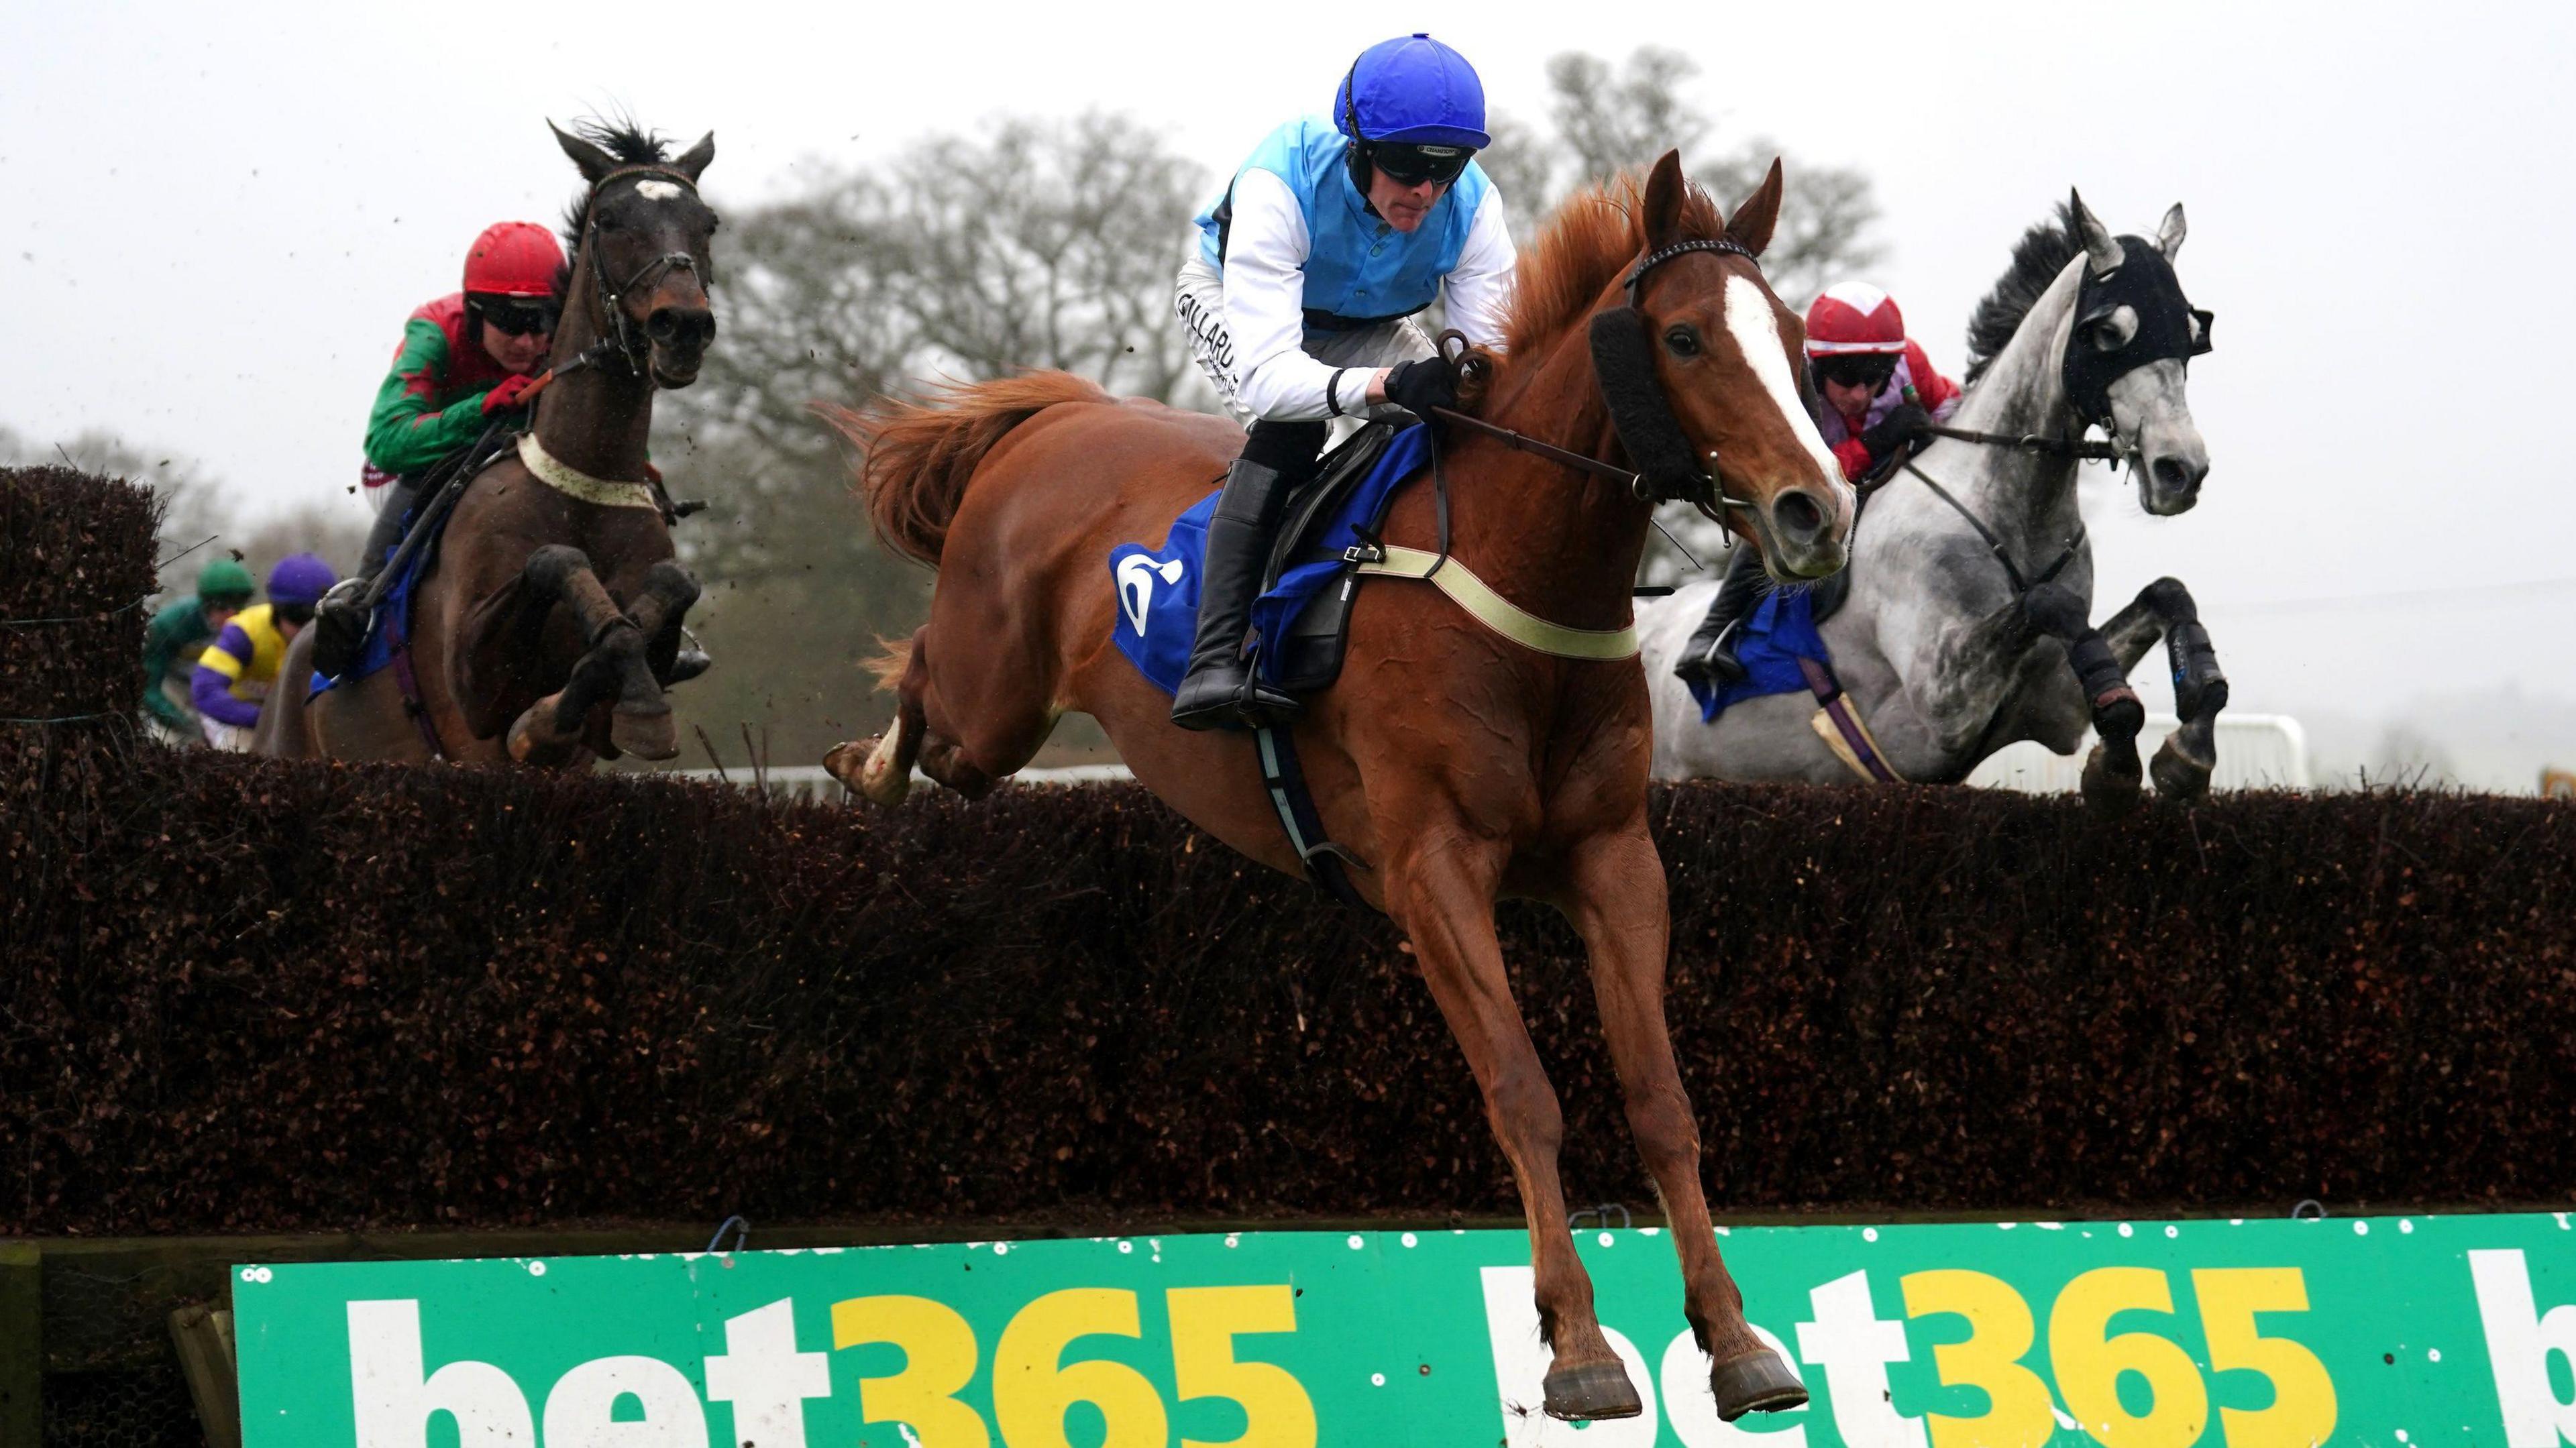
(1412,90)
(300,578)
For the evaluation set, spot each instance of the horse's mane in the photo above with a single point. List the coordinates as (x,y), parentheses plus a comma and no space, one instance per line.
(631,145)
(1589,241)
(2037,258)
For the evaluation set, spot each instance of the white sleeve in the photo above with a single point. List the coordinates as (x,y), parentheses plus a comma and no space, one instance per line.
(1479,291)
(1265,308)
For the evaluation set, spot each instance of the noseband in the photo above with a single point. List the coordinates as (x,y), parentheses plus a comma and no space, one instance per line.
(623,341)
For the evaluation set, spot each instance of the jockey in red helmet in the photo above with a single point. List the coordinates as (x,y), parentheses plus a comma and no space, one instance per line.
(1879,390)
(463,363)
(1876,393)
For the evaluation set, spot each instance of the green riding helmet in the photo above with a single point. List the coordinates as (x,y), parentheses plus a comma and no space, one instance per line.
(225,584)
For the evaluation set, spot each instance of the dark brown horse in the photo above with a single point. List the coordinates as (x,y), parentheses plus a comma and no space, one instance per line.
(1457,765)
(552,609)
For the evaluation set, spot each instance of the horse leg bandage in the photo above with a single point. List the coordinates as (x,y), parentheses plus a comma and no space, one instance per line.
(2199,687)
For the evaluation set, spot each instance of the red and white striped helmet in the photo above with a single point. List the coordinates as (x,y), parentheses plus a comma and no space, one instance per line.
(1854,317)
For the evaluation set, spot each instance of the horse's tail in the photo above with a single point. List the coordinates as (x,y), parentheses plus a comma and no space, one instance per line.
(919,454)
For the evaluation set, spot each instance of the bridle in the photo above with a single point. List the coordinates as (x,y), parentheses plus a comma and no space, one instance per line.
(1623,368)
(624,341)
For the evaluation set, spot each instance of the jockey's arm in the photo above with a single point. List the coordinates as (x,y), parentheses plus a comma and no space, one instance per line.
(211,688)
(407,431)
(1936,394)
(1479,290)
(1265,292)
(171,629)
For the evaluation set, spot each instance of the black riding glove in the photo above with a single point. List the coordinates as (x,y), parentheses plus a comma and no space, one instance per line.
(1422,385)
(1908,423)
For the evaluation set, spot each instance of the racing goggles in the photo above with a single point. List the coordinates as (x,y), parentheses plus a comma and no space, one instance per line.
(1407,164)
(519,316)
(1856,369)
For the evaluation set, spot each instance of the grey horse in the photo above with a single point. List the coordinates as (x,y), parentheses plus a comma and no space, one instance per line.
(1966,627)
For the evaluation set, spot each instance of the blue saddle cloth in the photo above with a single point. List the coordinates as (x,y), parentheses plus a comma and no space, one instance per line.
(388,625)
(1781,631)
(1158,588)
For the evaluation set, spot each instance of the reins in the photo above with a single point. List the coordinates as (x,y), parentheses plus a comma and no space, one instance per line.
(1622,365)
(2100,452)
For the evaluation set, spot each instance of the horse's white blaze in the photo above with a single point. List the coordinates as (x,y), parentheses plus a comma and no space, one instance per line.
(1757,336)
(657,190)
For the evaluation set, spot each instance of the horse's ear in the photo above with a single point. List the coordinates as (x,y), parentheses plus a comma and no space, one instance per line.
(1751,225)
(2101,249)
(2169,235)
(593,161)
(1665,191)
(693,162)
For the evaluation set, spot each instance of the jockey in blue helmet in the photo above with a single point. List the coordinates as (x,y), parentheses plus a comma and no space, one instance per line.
(1299,294)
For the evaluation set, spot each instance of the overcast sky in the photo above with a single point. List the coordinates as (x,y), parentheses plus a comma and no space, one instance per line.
(217,217)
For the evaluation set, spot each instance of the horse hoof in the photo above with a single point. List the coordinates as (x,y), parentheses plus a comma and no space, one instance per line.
(1593,1391)
(856,764)
(646,736)
(2111,783)
(522,744)
(1757,1382)
(2178,774)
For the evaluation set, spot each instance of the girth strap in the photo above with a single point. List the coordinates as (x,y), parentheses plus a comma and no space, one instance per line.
(1493,610)
(1299,819)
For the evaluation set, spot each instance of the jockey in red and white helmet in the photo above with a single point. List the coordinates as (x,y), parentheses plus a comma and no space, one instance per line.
(1876,393)
(1879,390)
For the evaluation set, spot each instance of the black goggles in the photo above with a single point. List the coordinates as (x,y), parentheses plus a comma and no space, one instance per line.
(1411,165)
(1862,369)
(518,318)
(295,613)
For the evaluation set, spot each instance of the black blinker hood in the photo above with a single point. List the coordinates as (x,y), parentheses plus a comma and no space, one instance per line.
(1623,363)
(2168,326)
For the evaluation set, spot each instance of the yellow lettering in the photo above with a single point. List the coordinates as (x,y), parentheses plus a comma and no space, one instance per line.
(1032,1388)
(2018,1413)
(2089,1364)
(1277,1413)
(939,1358)
(2303,1396)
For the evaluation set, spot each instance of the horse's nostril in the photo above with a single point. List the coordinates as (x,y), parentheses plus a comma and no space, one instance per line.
(680,326)
(1798,516)
(2173,475)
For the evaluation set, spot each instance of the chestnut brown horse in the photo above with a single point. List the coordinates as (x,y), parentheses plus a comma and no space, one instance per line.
(551,611)
(1458,766)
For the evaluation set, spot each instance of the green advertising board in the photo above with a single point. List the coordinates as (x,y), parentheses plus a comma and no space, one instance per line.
(2253,1334)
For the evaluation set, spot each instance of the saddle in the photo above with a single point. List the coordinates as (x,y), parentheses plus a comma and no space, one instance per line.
(1309,657)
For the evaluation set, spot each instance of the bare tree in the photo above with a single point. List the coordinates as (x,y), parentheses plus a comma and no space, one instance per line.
(1036,244)
(1608,119)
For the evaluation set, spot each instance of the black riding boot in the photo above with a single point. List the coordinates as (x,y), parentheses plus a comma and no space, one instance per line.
(1219,691)
(1709,657)
(340,619)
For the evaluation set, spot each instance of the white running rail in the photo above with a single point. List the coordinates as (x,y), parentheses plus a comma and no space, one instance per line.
(2255,751)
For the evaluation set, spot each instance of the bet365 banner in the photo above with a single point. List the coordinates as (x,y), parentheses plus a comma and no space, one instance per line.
(2376,1331)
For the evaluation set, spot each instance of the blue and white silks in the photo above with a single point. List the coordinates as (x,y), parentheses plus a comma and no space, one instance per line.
(1356,265)
(1158,588)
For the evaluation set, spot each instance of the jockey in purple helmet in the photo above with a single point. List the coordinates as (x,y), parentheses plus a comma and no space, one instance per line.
(1299,294)
(237,670)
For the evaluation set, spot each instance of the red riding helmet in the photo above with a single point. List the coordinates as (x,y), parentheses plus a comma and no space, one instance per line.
(1854,317)
(513,259)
